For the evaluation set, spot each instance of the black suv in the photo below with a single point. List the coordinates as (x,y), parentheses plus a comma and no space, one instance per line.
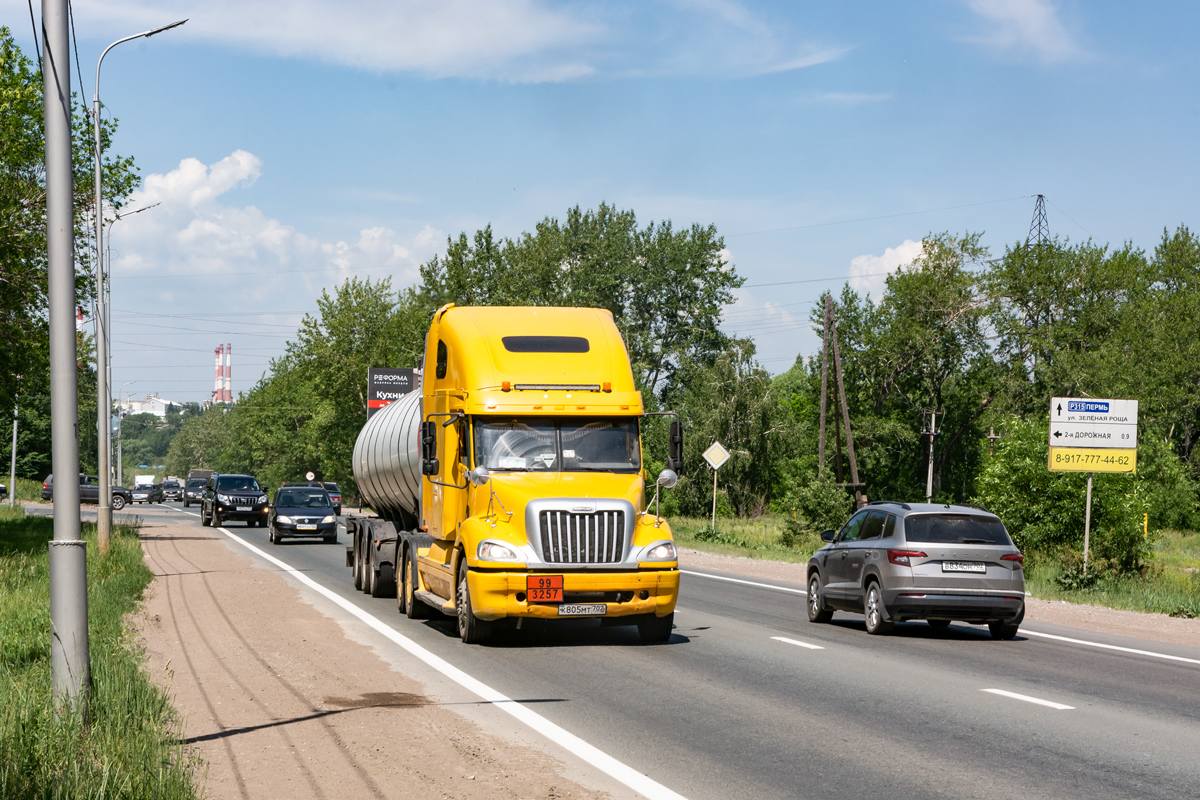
(233,497)
(89,491)
(193,492)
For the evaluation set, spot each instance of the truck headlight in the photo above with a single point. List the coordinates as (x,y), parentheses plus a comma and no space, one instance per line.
(330,518)
(494,551)
(282,520)
(663,551)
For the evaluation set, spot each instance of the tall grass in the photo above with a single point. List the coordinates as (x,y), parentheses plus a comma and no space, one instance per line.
(767,537)
(129,746)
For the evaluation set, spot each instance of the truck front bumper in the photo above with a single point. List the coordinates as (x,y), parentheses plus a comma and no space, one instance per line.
(495,595)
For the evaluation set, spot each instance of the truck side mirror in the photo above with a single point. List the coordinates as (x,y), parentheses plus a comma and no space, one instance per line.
(675,460)
(429,462)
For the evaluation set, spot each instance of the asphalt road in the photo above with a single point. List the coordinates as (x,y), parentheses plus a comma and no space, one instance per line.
(749,699)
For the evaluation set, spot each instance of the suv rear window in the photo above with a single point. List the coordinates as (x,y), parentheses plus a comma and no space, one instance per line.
(955,529)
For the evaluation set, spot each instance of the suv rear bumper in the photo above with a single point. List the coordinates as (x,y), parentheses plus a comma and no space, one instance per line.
(906,604)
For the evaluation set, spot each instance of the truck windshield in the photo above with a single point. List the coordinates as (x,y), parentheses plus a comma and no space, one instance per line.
(537,444)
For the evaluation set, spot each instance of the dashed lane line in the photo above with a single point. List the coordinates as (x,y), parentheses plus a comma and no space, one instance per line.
(592,755)
(1026,698)
(786,640)
(1024,631)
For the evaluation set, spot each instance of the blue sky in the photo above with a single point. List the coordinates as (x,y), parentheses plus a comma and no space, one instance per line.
(293,145)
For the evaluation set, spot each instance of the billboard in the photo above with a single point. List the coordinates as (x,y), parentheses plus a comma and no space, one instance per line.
(385,384)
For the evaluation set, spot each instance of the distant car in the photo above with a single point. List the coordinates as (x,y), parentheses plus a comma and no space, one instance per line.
(89,491)
(3,492)
(893,562)
(335,497)
(302,511)
(233,497)
(172,490)
(193,492)
(148,493)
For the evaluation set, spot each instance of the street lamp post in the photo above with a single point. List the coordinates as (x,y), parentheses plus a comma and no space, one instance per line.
(104,402)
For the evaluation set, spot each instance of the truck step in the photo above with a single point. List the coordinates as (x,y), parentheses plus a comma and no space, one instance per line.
(440,603)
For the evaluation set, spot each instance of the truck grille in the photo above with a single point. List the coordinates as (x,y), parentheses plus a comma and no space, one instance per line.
(596,538)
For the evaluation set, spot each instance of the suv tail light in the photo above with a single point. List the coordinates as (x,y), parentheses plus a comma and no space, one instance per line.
(1016,560)
(902,557)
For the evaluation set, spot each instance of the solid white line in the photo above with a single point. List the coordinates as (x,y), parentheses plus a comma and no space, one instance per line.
(1029,699)
(556,734)
(747,583)
(1112,647)
(798,644)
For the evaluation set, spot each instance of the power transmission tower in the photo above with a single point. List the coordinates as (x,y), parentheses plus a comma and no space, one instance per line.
(1039,229)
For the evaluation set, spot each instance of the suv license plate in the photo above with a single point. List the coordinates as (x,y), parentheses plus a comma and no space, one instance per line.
(964,566)
(583,609)
(244,508)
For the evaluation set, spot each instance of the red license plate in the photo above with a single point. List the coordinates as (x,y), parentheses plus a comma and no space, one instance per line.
(544,588)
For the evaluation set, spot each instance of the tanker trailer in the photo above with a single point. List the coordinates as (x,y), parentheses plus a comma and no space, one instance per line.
(513,485)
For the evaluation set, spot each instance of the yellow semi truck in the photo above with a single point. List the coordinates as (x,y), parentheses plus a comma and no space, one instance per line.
(513,484)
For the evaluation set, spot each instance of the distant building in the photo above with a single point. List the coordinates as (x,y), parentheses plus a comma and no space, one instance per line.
(150,404)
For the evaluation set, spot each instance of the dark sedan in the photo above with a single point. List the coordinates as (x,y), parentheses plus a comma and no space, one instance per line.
(172,490)
(335,497)
(302,511)
(193,492)
(148,493)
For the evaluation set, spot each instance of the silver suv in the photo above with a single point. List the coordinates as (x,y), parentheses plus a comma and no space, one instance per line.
(894,562)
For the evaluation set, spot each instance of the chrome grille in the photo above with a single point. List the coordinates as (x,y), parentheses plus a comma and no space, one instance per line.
(595,538)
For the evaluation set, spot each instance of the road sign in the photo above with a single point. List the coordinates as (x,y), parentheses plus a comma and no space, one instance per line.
(716,455)
(1092,435)
(1091,423)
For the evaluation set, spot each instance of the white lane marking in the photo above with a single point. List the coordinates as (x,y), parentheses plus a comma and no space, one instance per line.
(786,640)
(747,583)
(1112,647)
(1028,699)
(1024,631)
(556,734)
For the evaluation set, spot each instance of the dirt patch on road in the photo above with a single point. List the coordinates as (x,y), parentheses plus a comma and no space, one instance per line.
(279,702)
(1152,627)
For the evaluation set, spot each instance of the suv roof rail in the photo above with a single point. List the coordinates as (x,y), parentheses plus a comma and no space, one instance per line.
(972,505)
(905,506)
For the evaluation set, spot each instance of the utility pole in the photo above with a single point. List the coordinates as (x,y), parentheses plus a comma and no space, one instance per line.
(824,384)
(831,337)
(70,670)
(12,480)
(931,430)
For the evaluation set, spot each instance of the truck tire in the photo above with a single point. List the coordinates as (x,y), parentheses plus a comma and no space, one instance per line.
(383,584)
(368,567)
(656,629)
(413,608)
(471,629)
(357,569)
(402,583)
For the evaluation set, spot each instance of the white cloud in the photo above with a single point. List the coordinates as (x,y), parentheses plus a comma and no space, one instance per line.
(868,273)
(507,40)
(1025,27)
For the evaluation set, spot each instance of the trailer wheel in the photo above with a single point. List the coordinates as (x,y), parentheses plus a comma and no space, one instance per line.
(357,570)
(402,586)
(383,581)
(471,628)
(413,608)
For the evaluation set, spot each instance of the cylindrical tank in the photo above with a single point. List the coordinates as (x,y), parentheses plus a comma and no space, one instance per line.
(387,457)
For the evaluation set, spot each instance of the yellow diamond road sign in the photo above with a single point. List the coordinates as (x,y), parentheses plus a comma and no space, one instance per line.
(716,455)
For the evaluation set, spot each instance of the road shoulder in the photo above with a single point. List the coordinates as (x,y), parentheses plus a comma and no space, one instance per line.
(1151,627)
(277,700)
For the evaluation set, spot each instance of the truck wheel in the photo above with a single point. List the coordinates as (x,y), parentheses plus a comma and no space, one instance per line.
(413,608)
(383,582)
(471,628)
(402,584)
(118,502)
(186,504)
(368,567)
(357,569)
(656,629)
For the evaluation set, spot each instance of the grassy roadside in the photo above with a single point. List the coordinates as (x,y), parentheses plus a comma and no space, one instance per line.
(130,748)
(1170,585)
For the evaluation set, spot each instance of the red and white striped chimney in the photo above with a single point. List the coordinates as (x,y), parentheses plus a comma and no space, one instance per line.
(218,382)
(229,372)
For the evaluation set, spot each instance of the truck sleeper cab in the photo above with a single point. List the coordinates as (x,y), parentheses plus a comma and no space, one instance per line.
(531,499)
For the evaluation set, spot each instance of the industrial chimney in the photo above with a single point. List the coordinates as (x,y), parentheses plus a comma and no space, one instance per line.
(218,392)
(229,372)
